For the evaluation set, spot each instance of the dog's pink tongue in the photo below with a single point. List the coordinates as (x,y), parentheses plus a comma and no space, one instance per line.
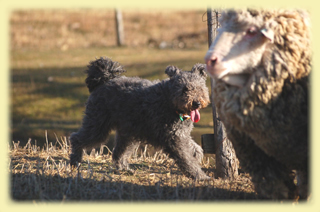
(195,116)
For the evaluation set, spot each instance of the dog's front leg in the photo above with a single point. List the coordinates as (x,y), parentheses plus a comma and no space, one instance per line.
(197,151)
(187,155)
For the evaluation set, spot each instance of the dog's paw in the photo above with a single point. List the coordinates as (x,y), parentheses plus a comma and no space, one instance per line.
(202,176)
(205,178)
(75,159)
(122,165)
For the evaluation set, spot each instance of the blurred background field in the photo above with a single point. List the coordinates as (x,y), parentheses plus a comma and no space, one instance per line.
(51,48)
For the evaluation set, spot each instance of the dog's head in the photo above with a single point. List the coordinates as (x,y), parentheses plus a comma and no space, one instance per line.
(189,92)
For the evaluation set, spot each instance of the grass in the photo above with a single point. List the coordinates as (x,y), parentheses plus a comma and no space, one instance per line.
(44,174)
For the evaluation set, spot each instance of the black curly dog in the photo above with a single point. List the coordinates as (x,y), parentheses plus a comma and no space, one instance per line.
(160,113)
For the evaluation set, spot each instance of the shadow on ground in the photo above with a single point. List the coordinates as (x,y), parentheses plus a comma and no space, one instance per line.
(29,187)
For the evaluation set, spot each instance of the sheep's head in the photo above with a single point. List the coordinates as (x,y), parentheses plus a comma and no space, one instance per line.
(247,39)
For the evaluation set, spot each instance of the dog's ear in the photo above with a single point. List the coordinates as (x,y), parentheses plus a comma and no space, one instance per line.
(172,71)
(199,69)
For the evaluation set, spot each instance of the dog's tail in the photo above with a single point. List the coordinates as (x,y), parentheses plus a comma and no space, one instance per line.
(100,71)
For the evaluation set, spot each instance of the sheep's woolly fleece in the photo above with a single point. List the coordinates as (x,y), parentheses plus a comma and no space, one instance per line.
(271,108)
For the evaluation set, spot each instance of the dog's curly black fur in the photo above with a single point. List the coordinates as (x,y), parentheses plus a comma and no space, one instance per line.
(142,111)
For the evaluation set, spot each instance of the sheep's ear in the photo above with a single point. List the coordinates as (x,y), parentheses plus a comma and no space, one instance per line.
(267,30)
(199,69)
(172,71)
(268,33)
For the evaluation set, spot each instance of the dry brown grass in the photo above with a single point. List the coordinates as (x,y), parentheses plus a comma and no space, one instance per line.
(44,174)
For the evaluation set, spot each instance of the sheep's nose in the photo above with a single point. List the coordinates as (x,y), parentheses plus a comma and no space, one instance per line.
(211,61)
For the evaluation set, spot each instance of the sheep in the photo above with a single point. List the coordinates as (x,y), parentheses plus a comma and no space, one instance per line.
(260,63)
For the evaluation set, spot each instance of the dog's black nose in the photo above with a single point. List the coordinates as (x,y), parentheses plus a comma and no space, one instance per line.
(196,104)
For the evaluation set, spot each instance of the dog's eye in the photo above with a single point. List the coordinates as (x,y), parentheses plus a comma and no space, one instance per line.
(185,89)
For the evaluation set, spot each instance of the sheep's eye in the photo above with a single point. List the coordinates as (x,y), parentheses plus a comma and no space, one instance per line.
(252,31)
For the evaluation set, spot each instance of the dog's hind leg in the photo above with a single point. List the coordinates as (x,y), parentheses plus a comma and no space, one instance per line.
(76,150)
(122,151)
(91,134)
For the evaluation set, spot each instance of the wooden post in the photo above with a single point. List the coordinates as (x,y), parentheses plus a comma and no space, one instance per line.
(119,27)
(226,161)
